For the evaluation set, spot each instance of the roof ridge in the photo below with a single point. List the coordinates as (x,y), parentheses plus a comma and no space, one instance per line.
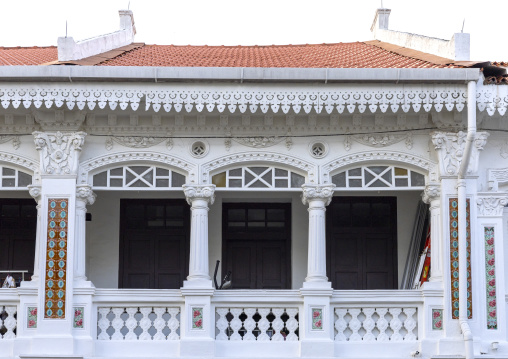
(257,46)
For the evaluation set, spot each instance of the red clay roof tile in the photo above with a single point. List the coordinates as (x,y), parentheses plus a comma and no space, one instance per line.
(27,55)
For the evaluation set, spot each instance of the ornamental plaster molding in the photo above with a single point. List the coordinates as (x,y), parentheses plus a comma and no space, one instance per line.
(431,192)
(329,169)
(306,168)
(450,148)
(138,141)
(199,192)
(35,192)
(84,193)
(312,192)
(102,162)
(491,205)
(379,140)
(496,176)
(259,141)
(15,141)
(27,163)
(59,151)
(246,99)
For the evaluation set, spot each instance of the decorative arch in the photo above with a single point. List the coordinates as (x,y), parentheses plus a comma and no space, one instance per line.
(286,162)
(147,158)
(403,159)
(17,171)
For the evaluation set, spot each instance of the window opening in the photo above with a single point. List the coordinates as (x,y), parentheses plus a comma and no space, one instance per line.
(378,177)
(138,177)
(258,177)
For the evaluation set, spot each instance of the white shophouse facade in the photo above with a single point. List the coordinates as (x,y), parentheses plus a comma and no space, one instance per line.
(267,170)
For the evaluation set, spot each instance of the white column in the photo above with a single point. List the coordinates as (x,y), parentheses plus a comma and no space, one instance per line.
(432,196)
(35,192)
(84,196)
(199,196)
(317,197)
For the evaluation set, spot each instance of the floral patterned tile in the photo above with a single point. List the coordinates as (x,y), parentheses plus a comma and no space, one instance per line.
(78,318)
(490,280)
(31,317)
(317,318)
(437,319)
(197,318)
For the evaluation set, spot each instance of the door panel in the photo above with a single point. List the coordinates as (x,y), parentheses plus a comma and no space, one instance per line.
(257,244)
(154,243)
(362,242)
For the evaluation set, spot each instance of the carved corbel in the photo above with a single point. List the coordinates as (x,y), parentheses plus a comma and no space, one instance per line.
(35,192)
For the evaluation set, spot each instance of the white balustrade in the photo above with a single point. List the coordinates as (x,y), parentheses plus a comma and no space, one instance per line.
(8,322)
(138,323)
(371,324)
(261,324)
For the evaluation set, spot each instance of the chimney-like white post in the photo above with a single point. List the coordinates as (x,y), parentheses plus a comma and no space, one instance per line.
(127,21)
(380,20)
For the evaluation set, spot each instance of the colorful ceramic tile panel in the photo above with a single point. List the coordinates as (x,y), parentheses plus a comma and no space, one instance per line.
(317,318)
(78,317)
(490,272)
(437,319)
(31,316)
(197,318)
(454,257)
(56,259)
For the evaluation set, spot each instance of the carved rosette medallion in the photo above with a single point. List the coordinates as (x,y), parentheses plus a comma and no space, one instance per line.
(317,192)
(35,192)
(59,151)
(450,147)
(84,193)
(491,206)
(203,192)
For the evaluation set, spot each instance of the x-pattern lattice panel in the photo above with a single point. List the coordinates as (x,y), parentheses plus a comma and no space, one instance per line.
(378,177)
(138,178)
(258,177)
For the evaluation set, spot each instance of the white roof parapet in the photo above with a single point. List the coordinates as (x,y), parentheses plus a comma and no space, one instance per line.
(457,49)
(70,50)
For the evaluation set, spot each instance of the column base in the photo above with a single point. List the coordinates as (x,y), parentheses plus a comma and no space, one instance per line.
(199,283)
(83,283)
(317,285)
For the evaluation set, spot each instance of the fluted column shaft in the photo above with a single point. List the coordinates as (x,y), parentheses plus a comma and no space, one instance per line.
(35,192)
(199,197)
(317,197)
(432,196)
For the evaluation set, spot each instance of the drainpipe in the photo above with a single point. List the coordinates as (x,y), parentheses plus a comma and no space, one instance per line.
(461,198)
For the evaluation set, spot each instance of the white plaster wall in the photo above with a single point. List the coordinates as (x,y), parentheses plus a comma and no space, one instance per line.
(103,231)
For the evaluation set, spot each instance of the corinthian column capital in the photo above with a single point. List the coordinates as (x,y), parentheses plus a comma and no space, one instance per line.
(84,193)
(202,192)
(431,192)
(317,192)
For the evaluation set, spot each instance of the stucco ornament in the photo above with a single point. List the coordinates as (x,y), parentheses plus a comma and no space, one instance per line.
(450,147)
(59,151)
(383,140)
(431,192)
(15,141)
(35,191)
(258,142)
(491,206)
(203,192)
(84,192)
(317,192)
(137,141)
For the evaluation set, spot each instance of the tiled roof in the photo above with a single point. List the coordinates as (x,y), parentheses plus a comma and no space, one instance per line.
(341,55)
(371,54)
(27,55)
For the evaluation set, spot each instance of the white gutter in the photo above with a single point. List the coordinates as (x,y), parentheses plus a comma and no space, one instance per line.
(461,199)
(231,74)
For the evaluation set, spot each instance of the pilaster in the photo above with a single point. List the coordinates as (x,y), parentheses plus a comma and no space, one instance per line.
(432,196)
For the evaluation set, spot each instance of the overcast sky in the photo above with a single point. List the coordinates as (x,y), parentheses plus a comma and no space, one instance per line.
(261,22)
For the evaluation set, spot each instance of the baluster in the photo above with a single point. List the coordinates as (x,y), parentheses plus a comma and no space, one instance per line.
(131,323)
(159,323)
(368,324)
(292,324)
(409,323)
(277,325)
(173,323)
(103,324)
(355,325)
(395,324)
(382,325)
(117,323)
(145,323)
(263,324)
(340,324)
(222,324)
(249,324)
(236,323)
(10,323)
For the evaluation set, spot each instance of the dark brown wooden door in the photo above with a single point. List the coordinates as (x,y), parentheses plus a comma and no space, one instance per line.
(257,245)
(18,226)
(154,243)
(362,242)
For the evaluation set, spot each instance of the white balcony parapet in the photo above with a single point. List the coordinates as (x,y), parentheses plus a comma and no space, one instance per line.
(382,324)
(138,323)
(8,322)
(257,324)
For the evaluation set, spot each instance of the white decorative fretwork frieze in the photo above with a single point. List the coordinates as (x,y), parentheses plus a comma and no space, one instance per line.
(450,148)
(59,152)
(379,140)
(492,98)
(491,205)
